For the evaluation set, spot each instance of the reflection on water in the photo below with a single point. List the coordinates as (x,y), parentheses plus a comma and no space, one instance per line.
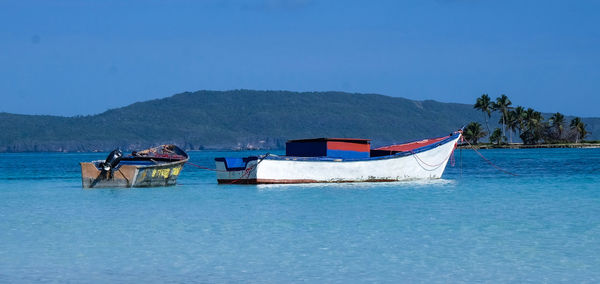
(358,185)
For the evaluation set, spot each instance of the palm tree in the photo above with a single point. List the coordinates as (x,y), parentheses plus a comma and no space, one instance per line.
(579,127)
(519,115)
(513,121)
(484,104)
(473,132)
(532,126)
(496,136)
(502,104)
(557,121)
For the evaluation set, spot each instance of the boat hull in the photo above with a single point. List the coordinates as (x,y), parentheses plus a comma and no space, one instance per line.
(428,163)
(131,175)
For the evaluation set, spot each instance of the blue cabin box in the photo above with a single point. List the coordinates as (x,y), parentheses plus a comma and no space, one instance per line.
(346,148)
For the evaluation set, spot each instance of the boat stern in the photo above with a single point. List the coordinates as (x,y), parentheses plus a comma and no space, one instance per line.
(91,176)
(236,170)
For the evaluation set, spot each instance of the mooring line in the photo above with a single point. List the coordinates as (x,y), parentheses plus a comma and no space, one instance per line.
(488,161)
(245,174)
(204,168)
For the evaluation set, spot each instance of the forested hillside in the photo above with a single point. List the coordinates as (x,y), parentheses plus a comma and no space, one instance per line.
(240,119)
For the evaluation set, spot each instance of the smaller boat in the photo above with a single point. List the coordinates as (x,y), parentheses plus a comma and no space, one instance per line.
(158,166)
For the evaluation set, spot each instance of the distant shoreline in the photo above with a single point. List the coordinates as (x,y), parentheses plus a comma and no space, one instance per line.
(536,146)
(464,146)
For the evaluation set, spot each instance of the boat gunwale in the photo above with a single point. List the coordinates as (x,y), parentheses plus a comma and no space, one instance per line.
(140,166)
(160,165)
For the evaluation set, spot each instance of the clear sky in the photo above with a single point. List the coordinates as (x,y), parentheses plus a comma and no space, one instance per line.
(69,57)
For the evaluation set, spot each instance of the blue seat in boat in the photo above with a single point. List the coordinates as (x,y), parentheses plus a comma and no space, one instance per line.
(235,164)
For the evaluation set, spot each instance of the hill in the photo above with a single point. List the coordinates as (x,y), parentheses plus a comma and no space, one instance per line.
(239,119)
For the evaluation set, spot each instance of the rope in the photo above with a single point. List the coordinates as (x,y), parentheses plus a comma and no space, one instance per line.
(248,170)
(488,161)
(204,168)
(419,162)
(245,174)
(460,155)
(436,166)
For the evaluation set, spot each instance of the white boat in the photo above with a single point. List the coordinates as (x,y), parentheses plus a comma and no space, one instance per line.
(341,160)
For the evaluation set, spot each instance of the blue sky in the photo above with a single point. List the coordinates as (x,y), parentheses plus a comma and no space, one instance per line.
(83,57)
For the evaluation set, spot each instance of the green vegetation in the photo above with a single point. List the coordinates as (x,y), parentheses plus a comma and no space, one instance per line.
(237,119)
(496,136)
(557,122)
(243,119)
(578,127)
(484,104)
(473,132)
(530,124)
(502,105)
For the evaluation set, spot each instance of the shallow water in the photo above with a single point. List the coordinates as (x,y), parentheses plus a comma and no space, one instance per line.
(478,225)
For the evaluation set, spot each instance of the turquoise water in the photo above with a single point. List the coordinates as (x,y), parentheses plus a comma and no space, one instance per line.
(483,225)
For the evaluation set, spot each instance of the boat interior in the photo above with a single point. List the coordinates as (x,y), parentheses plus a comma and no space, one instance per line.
(157,155)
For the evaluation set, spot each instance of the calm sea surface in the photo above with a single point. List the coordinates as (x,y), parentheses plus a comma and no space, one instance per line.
(481,225)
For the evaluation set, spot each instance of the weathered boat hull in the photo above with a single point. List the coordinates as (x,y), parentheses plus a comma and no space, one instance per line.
(131,175)
(425,163)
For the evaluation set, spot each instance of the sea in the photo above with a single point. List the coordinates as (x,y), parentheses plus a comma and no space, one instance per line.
(476,224)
